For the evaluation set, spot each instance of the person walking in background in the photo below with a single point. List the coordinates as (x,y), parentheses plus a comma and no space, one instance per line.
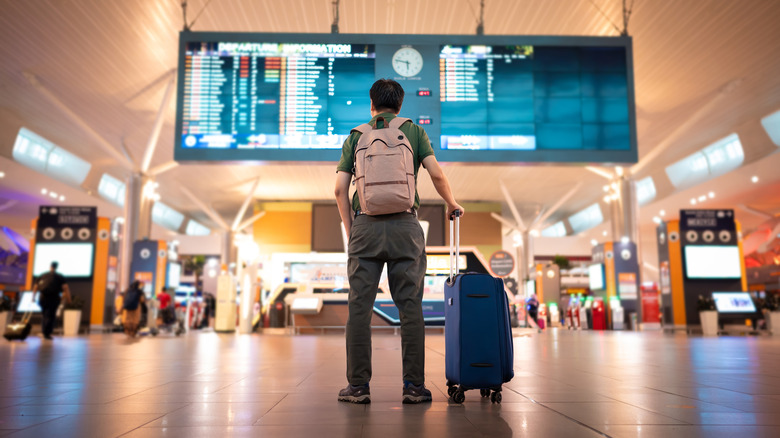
(389,233)
(131,308)
(50,285)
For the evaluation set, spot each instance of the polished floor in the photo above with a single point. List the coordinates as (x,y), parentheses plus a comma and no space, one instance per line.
(567,384)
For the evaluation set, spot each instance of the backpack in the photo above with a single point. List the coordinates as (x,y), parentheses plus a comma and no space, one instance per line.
(132,299)
(384,168)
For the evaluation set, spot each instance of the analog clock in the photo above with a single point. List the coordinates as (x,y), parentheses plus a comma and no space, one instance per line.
(407,62)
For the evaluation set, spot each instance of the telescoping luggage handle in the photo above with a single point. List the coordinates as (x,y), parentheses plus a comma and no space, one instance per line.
(454,244)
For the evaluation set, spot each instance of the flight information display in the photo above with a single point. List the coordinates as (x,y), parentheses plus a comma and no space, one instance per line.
(272,96)
(296,97)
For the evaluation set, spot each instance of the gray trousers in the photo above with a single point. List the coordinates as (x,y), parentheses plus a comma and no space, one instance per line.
(397,240)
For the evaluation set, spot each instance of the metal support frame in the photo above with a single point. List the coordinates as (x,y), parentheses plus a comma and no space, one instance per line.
(244,206)
(151,145)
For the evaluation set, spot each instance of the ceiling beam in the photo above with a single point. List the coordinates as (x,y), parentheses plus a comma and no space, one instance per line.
(151,145)
(205,209)
(242,210)
(512,207)
(600,172)
(558,204)
(249,221)
(162,168)
(102,142)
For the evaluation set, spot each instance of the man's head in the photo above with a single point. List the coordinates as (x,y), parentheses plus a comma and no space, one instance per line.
(386,95)
(54,266)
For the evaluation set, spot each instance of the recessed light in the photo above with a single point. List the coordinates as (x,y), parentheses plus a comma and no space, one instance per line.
(62,197)
(657,219)
(693,201)
(607,199)
(754,179)
(44,191)
(606,189)
(662,213)
(2,174)
(53,195)
(702,198)
(604,233)
(711,194)
(594,242)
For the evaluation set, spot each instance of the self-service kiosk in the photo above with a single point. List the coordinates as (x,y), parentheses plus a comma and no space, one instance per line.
(618,321)
(615,274)
(599,314)
(80,242)
(698,254)
(585,314)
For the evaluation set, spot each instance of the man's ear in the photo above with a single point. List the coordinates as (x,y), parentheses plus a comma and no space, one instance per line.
(372,105)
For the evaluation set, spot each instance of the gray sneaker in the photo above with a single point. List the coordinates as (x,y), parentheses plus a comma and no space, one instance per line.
(356,394)
(416,394)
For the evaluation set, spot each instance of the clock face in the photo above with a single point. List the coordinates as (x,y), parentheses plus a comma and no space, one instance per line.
(407,62)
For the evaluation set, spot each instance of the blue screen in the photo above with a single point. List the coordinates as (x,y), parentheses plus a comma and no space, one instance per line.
(296,97)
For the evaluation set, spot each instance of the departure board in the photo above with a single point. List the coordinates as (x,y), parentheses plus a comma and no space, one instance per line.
(296,97)
(272,96)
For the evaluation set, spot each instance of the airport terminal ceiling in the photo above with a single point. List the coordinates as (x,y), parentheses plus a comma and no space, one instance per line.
(697,80)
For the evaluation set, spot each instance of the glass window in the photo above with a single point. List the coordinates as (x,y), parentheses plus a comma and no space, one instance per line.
(771,124)
(557,230)
(112,189)
(41,155)
(689,171)
(645,190)
(724,155)
(194,228)
(166,216)
(586,219)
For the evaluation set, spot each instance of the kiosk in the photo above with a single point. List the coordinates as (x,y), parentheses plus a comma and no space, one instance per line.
(617,264)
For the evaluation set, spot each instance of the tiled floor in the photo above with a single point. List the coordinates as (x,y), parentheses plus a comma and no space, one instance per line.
(567,384)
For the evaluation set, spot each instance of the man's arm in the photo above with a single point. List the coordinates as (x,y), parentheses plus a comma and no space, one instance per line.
(66,294)
(342,199)
(441,184)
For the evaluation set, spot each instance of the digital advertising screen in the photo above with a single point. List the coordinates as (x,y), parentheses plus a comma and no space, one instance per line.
(296,97)
(596,277)
(174,275)
(733,302)
(74,259)
(712,262)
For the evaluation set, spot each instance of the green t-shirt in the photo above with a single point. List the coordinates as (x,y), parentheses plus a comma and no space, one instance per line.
(418,139)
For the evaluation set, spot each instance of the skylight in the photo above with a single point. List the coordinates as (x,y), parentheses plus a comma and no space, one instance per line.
(41,155)
(111,189)
(586,218)
(771,124)
(645,190)
(166,216)
(194,228)
(714,160)
(556,230)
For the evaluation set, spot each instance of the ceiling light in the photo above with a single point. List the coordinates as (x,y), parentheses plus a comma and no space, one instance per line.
(2,174)
(619,171)
(604,233)
(62,197)
(606,189)
(44,191)
(607,199)
(711,194)
(702,198)
(615,196)
(693,201)
(535,233)
(657,219)
(662,213)
(614,186)
(53,195)
(594,242)
(754,179)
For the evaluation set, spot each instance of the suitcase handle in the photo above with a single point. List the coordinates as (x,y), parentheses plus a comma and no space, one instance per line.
(454,244)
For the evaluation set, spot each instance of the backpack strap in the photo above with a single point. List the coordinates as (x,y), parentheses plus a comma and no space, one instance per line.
(364,128)
(398,121)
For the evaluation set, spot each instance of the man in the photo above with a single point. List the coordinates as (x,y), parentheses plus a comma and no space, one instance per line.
(396,239)
(50,285)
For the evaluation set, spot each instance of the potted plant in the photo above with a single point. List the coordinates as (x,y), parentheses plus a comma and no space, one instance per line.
(5,313)
(708,315)
(772,312)
(71,316)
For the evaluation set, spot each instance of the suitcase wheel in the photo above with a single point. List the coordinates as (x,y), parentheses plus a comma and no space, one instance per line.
(459,396)
(495,397)
(484,392)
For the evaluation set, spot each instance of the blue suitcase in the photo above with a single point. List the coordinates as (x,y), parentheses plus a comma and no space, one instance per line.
(478,335)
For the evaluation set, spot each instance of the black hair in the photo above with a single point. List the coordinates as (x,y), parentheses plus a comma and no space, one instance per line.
(387,94)
(55,265)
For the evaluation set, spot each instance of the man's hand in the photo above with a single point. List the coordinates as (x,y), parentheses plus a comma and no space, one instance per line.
(451,209)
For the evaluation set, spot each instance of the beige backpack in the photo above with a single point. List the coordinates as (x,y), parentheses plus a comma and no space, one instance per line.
(384,168)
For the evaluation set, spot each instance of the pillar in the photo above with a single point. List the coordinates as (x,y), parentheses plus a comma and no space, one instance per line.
(139,200)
